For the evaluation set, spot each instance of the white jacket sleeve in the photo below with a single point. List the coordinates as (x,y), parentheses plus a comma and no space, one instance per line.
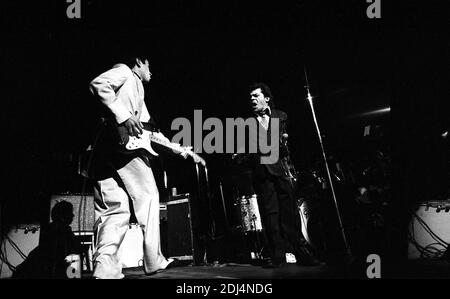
(105,86)
(145,115)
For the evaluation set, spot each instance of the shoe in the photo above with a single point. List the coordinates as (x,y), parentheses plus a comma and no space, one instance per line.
(105,270)
(173,262)
(154,272)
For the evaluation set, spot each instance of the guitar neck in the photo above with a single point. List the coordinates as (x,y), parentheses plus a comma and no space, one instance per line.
(151,128)
(165,143)
(177,148)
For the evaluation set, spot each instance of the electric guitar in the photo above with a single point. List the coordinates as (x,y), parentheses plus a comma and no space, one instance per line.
(129,144)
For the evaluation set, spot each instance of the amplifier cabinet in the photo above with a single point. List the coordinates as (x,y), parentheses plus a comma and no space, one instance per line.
(179,233)
(17,245)
(175,233)
(430,218)
(83,209)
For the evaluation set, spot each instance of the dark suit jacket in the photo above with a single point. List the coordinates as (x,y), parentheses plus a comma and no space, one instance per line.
(253,161)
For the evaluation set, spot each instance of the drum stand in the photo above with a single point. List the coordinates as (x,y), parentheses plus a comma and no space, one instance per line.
(249,228)
(258,247)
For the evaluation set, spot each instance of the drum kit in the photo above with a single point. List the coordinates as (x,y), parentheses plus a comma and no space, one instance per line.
(246,214)
(249,214)
(250,225)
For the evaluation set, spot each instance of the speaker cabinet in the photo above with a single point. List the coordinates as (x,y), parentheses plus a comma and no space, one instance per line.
(83,209)
(430,223)
(16,246)
(179,228)
(175,233)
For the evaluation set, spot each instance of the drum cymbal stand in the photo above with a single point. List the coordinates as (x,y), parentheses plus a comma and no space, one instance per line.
(330,181)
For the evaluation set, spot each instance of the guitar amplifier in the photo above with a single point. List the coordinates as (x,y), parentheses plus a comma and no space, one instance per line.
(83,209)
(16,246)
(428,229)
(177,236)
(175,233)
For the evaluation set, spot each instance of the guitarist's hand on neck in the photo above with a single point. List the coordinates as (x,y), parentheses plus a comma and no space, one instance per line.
(133,125)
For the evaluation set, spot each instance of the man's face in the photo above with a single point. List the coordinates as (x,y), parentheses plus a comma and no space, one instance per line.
(258,100)
(144,70)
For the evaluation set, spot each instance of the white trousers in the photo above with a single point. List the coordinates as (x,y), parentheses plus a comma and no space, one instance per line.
(112,213)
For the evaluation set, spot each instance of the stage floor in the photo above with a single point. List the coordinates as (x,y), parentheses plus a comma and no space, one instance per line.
(410,269)
(233,271)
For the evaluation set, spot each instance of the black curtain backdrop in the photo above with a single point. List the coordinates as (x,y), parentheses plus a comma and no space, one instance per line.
(203,56)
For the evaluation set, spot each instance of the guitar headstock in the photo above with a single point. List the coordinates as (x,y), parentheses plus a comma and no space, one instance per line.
(184,151)
(187,151)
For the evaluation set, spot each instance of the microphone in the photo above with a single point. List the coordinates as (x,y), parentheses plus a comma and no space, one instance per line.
(284,138)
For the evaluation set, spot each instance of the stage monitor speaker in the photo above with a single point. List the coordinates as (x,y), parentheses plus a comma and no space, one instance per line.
(431,218)
(83,209)
(16,246)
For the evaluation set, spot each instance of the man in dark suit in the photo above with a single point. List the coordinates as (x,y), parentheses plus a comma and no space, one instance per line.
(272,183)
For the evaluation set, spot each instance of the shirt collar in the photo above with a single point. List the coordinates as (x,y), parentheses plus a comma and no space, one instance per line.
(267,112)
(137,75)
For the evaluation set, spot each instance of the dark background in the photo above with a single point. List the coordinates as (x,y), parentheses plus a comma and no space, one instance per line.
(203,55)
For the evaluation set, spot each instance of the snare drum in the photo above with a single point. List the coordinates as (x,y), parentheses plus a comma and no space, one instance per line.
(249,212)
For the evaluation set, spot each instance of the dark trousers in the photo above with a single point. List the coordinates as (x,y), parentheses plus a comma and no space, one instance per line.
(279,213)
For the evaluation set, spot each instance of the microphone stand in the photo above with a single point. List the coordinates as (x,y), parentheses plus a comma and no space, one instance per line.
(208,197)
(227,224)
(341,226)
(211,222)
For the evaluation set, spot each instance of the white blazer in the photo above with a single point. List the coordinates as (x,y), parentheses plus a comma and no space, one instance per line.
(122,92)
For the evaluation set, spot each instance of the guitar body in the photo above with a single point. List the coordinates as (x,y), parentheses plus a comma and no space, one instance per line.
(130,144)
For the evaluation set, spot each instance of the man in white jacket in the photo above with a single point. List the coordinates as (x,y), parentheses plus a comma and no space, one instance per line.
(124,179)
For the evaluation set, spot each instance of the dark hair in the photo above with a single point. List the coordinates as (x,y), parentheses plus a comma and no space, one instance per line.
(130,58)
(265,91)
